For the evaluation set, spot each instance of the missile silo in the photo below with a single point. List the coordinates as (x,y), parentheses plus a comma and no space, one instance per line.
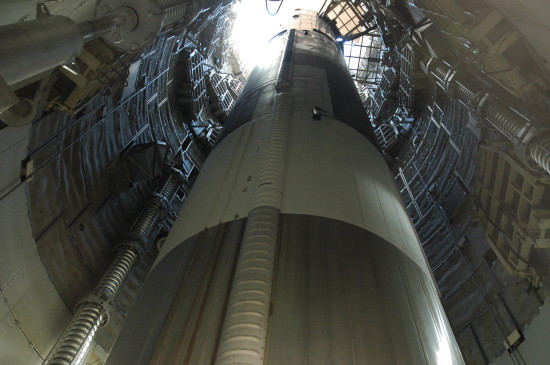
(294,246)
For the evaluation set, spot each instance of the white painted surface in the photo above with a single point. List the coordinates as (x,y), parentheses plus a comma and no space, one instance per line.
(223,189)
(244,332)
(335,172)
(331,171)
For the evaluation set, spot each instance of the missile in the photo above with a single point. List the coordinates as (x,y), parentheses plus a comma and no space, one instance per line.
(294,246)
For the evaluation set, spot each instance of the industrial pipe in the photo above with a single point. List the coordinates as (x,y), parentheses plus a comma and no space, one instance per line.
(93,29)
(249,301)
(93,311)
(531,143)
(30,48)
(149,17)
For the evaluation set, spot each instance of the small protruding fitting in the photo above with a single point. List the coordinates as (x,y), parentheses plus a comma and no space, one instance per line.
(7,96)
(24,111)
(96,28)
(105,304)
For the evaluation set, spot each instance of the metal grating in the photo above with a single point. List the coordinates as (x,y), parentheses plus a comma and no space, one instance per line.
(75,208)
(224,89)
(383,101)
(405,94)
(435,173)
(220,46)
(190,90)
(362,44)
(386,136)
(364,59)
(350,17)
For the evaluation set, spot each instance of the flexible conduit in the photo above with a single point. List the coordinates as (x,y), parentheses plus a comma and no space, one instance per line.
(92,313)
(173,10)
(505,120)
(510,123)
(540,153)
(77,338)
(244,331)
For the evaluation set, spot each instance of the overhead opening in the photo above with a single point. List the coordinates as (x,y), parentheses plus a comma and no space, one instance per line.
(254,26)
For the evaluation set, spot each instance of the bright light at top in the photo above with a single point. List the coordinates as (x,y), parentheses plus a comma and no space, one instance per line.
(254,27)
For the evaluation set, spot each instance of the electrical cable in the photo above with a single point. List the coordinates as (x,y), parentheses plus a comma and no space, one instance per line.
(277,11)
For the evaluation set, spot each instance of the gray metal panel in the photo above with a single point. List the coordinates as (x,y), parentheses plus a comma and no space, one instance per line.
(72,189)
(14,347)
(17,244)
(190,333)
(346,296)
(90,240)
(36,306)
(341,295)
(188,290)
(68,271)
(43,196)
(94,162)
(13,150)
(471,350)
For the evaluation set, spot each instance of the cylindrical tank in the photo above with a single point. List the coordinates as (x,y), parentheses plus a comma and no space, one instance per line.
(141,21)
(294,246)
(28,48)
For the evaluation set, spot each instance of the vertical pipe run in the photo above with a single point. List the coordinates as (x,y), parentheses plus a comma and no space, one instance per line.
(283,80)
(93,311)
(77,338)
(115,275)
(244,332)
